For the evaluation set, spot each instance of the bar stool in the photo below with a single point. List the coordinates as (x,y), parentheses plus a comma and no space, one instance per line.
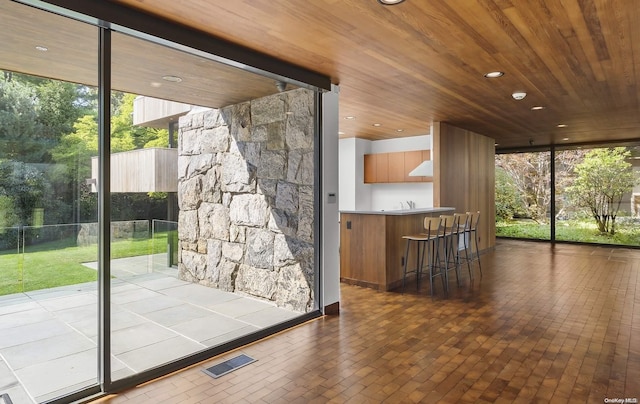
(473,233)
(450,235)
(464,226)
(428,243)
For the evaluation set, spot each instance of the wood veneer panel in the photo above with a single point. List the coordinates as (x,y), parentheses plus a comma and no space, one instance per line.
(465,176)
(396,166)
(371,252)
(361,257)
(370,168)
(398,226)
(411,160)
(382,167)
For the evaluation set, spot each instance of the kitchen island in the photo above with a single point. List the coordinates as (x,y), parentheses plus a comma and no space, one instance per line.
(372,248)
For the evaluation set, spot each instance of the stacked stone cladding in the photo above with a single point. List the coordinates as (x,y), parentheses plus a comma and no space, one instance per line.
(246,199)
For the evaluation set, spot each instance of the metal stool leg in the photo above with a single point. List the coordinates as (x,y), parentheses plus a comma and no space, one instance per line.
(406,259)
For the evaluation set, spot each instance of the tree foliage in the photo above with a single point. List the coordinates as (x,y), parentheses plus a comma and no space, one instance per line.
(603,177)
(48,134)
(508,202)
(530,173)
(20,132)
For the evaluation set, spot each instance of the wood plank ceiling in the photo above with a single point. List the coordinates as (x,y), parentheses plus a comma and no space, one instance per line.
(408,65)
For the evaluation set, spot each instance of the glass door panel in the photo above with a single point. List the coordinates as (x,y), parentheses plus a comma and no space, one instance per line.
(48,248)
(523,195)
(212,180)
(597,195)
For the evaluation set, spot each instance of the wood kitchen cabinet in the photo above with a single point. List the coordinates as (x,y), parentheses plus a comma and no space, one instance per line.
(394,167)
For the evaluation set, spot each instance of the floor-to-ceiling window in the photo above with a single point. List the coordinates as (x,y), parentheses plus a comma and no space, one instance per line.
(596,195)
(48,295)
(593,189)
(523,195)
(210,210)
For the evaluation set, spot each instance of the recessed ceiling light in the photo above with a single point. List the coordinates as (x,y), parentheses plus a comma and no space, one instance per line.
(399,130)
(42,48)
(562,125)
(390,2)
(155,84)
(377,124)
(537,108)
(495,144)
(349,117)
(173,79)
(565,138)
(340,133)
(494,75)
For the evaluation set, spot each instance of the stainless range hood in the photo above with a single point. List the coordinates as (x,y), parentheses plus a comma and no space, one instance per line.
(424,169)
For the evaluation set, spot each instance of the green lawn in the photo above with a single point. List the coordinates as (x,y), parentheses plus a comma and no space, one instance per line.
(59,263)
(584,231)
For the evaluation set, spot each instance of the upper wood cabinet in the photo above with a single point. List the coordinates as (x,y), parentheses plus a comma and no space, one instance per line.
(394,167)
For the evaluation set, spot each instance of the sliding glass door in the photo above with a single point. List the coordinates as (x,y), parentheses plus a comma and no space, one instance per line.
(48,243)
(156,205)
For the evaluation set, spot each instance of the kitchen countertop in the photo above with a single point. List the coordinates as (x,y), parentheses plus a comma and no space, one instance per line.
(400,212)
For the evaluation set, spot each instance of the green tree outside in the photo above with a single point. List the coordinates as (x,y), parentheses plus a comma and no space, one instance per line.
(603,177)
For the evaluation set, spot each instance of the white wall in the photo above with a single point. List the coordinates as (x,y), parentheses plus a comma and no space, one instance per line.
(356,195)
(330,238)
(401,144)
(389,196)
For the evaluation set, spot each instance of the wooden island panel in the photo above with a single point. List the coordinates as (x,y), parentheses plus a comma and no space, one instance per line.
(372,249)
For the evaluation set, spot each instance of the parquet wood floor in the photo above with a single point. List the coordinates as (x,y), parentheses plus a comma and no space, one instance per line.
(545,324)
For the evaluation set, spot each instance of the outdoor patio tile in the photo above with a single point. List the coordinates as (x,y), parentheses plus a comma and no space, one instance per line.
(160,353)
(17,395)
(268,317)
(158,284)
(18,306)
(138,336)
(205,328)
(32,332)
(74,314)
(221,339)
(7,377)
(177,314)
(132,295)
(155,318)
(120,319)
(15,298)
(120,286)
(77,300)
(200,295)
(43,294)
(240,306)
(31,353)
(24,317)
(58,374)
(151,304)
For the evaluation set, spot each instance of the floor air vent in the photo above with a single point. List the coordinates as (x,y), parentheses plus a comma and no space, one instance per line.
(228,366)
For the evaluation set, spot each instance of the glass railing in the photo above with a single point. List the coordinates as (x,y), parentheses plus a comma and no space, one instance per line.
(43,257)
(164,244)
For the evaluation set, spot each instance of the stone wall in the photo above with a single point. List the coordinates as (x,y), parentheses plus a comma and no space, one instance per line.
(246,199)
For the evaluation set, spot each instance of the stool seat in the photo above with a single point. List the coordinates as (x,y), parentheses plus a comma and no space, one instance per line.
(426,247)
(472,231)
